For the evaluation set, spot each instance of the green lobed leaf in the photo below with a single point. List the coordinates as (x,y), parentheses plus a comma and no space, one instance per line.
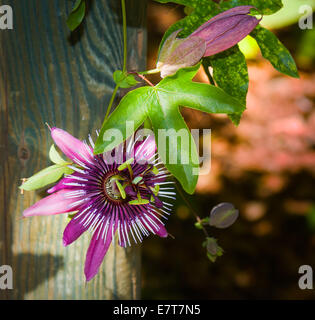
(45,177)
(231,74)
(55,157)
(161,104)
(264,6)
(274,51)
(77,14)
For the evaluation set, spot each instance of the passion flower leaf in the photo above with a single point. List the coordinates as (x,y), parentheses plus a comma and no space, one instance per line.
(235,82)
(274,51)
(45,177)
(77,14)
(161,105)
(265,7)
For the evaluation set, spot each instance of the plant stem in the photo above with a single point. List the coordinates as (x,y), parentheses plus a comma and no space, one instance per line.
(146,80)
(123,8)
(191,209)
(111,102)
(152,71)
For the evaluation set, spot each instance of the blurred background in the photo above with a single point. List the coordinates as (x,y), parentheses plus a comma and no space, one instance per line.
(265,167)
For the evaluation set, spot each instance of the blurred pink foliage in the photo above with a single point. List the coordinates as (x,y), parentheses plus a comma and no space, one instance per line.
(276,134)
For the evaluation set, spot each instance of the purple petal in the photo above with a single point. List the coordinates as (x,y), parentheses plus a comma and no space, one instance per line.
(62,184)
(207,26)
(160,229)
(96,252)
(73,231)
(71,146)
(54,204)
(232,37)
(226,29)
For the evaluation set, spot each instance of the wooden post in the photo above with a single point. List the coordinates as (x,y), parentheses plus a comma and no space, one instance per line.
(48,75)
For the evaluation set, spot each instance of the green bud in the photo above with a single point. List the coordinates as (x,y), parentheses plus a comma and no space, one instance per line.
(223,215)
(213,249)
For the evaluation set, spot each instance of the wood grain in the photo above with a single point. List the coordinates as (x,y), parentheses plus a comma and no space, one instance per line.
(48,75)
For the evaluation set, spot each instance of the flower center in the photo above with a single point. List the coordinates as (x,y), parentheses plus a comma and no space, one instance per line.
(111,189)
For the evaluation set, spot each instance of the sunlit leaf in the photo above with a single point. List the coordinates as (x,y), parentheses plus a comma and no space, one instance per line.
(161,104)
(230,73)
(45,177)
(273,50)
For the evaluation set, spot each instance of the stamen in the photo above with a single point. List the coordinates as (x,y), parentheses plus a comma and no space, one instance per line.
(134,239)
(90,217)
(159,213)
(127,235)
(105,229)
(93,223)
(76,178)
(141,146)
(77,169)
(165,182)
(135,228)
(143,220)
(141,227)
(74,184)
(80,214)
(80,163)
(91,141)
(167,192)
(75,194)
(97,225)
(74,204)
(152,222)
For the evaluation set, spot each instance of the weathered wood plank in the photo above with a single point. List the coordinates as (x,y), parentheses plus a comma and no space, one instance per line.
(47,76)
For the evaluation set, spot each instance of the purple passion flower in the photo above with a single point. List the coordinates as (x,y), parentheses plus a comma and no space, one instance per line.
(109,194)
(216,35)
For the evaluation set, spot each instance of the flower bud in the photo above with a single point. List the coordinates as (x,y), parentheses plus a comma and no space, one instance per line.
(213,249)
(226,29)
(180,53)
(218,34)
(223,215)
